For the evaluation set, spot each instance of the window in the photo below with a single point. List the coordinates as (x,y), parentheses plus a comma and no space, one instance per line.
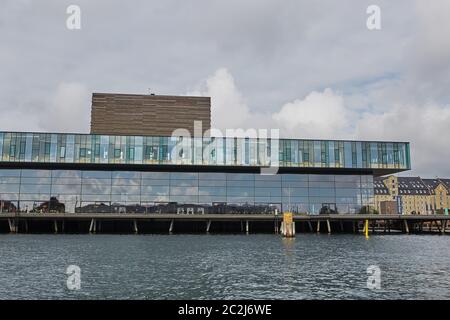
(22,147)
(12,150)
(97,150)
(151,152)
(47,148)
(131,153)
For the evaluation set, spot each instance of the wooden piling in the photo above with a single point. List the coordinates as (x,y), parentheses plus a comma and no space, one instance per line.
(310,226)
(12,226)
(91,226)
(171,226)
(135,226)
(405,222)
(438,225)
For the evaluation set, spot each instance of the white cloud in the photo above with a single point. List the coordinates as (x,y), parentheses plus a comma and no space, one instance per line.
(426,127)
(229,110)
(319,115)
(329,114)
(68,109)
(18,120)
(390,84)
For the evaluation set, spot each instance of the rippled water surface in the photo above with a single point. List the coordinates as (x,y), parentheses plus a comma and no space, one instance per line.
(224,266)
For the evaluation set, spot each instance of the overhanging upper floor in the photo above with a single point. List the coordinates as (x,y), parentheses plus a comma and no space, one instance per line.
(64,150)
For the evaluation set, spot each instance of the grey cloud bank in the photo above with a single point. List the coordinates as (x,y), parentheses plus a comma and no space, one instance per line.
(310,68)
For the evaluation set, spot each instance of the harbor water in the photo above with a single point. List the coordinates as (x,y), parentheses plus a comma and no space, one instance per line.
(260,266)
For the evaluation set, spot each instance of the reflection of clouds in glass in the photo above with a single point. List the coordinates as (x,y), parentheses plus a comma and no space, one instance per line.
(239,192)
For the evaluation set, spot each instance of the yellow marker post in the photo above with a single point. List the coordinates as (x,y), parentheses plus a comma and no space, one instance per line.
(367,229)
(287,217)
(288,228)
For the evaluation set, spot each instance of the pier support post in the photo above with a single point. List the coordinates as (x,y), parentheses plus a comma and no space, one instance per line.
(246,227)
(208,226)
(405,222)
(328,226)
(276,227)
(354,226)
(26,226)
(310,226)
(135,226)
(288,225)
(12,225)
(318,226)
(444,226)
(92,226)
(55,226)
(438,225)
(342,226)
(366,228)
(171,226)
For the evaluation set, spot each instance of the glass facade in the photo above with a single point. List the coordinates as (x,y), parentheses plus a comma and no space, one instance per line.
(206,151)
(84,191)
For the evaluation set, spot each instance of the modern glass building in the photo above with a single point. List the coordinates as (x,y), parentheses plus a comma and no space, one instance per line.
(82,173)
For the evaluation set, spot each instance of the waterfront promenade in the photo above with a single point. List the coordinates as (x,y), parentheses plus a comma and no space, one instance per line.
(235,223)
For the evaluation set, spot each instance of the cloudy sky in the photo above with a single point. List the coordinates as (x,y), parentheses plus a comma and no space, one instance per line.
(310,68)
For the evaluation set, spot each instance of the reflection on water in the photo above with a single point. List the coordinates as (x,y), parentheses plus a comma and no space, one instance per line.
(288,244)
(224,266)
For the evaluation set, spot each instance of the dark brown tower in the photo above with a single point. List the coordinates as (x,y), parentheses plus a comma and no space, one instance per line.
(153,115)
